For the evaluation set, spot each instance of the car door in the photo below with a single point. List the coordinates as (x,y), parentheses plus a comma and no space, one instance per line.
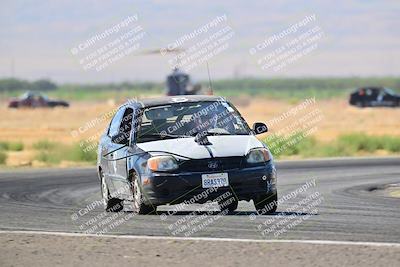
(108,147)
(389,99)
(375,97)
(119,171)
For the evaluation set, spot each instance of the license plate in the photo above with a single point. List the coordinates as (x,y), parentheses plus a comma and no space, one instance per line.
(215,180)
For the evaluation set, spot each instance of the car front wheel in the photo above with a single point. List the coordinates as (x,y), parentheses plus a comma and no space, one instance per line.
(138,206)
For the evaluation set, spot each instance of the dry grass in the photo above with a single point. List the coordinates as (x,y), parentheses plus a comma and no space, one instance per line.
(338,117)
(30,126)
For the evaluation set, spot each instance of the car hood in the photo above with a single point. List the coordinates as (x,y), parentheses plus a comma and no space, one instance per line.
(222,146)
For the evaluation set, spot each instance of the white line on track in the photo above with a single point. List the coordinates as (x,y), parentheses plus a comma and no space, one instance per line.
(212,239)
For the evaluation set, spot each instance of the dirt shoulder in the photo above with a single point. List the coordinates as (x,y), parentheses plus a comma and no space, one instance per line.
(53,250)
(388,190)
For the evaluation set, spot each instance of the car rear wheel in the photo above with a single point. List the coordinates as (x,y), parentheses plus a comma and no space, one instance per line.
(110,204)
(266,204)
(138,206)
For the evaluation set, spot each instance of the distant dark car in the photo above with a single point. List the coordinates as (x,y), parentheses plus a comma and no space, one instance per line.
(374,97)
(187,149)
(35,100)
(179,83)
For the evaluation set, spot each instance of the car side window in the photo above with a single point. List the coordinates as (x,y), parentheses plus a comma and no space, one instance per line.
(126,123)
(115,122)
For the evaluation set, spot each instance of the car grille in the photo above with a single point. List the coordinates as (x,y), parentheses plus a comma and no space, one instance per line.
(212,164)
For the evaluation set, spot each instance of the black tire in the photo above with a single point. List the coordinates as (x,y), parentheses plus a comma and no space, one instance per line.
(266,204)
(360,104)
(110,204)
(138,206)
(231,205)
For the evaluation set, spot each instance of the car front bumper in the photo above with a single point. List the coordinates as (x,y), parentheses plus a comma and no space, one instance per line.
(244,184)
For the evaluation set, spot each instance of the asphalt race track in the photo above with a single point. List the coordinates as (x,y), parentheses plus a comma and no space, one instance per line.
(350,210)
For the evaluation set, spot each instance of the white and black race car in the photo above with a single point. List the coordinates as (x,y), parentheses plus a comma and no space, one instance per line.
(171,149)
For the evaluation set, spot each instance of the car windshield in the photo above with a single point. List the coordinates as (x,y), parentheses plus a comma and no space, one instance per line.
(389,91)
(32,95)
(189,119)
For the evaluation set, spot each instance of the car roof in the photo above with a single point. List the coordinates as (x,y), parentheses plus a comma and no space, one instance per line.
(370,88)
(159,101)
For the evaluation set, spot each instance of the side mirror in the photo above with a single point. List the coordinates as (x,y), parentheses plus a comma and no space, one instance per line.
(260,128)
(120,138)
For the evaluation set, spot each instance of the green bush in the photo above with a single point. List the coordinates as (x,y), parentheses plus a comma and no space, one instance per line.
(391,143)
(294,89)
(360,142)
(48,157)
(17,146)
(49,152)
(11,146)
(3,145)
(45,145)
(290,145)
(363,142)
(3,157)
(77,153)
(53,153)
(344,145)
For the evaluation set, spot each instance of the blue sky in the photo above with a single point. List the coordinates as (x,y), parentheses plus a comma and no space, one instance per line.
(361,38)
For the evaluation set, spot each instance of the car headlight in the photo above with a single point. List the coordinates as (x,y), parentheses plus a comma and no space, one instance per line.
(162,163)
(258,155)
